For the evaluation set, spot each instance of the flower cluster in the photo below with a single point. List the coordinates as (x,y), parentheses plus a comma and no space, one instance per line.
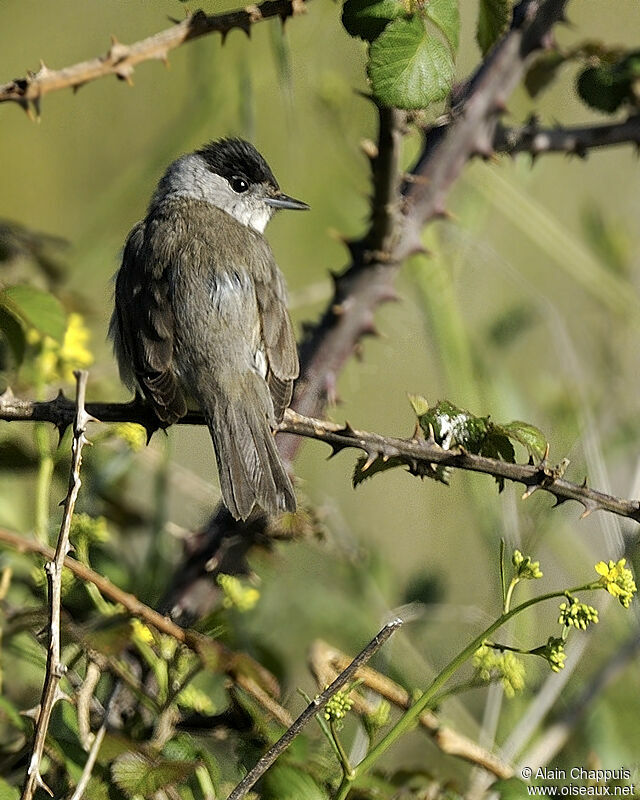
(505,666)
(578,614)
(236,594)
(134,435)
(524,567)
(617,580)
(57,361)
(339,706)
(553,651)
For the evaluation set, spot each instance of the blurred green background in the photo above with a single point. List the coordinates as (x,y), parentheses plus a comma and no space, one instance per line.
(527,309)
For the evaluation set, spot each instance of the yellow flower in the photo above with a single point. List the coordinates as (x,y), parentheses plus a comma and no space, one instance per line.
(131,433)
(74,353)
(617,580)
(236,595)
(141,632)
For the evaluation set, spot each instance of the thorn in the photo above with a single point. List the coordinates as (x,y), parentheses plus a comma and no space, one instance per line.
(358,352)
(432,435)
(7,395)
(336,447)
(223,36)
(347,430)
(418,433)
(583,485)
(369,148)
(371,457)
(124,73)
(530,490)
(588,510)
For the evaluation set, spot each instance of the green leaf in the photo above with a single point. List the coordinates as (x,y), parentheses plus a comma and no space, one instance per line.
(530,437)
(284,782)
(446,15)
(454,426)
(360,474)
(607,86)
(543,71)
(368,18)
(13,333)
(138,775)
(8,792)
(9,713)
(493,21)
(36,308)
(408,67)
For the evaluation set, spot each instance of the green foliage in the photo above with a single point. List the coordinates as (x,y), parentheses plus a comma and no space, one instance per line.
(285,782)
(368,18)
(493,21)
(35,308)
(140,776)
(410,65)
(607,86)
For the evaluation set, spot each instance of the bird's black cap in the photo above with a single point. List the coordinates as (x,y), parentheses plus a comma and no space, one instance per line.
(231,157)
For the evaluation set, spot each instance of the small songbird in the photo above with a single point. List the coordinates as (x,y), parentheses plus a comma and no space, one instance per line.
(201,317)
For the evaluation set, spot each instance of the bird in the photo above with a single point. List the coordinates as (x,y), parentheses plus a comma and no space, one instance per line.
(200,315)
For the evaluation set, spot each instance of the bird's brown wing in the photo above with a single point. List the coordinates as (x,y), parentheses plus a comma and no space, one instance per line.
(278,338)
(143,329)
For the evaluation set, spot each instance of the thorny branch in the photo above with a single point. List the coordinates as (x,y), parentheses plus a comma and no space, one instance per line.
(413,453)
(316,705)
(121,59)
(55,669)
(578,140)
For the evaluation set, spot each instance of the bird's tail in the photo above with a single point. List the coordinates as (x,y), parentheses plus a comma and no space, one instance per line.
(251,471)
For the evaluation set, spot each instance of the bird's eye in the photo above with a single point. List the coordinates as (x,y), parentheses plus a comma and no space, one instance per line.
(239,184)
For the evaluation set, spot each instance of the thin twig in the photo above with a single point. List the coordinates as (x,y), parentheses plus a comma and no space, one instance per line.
(317,704)
(326,661)
(85,777)
(121,59)
(55,669)
(410,452)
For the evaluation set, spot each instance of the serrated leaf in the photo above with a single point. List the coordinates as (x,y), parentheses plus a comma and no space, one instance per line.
(454,426)
(368,18)
(39,309)
(607,86)
(446,15)
(360,474)
(493,20)
(543,71)
(598,89)
(419,404)
(284,782)
(408,67)
(530,437)
(13,334)
(138,775)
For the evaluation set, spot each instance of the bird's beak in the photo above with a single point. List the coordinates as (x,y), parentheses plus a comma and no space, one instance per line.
(281,200)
